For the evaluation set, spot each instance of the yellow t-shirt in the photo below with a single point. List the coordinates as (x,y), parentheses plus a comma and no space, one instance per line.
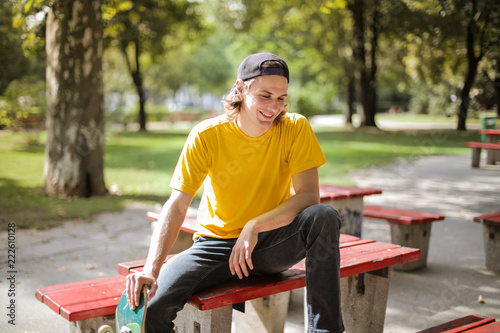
(243,177)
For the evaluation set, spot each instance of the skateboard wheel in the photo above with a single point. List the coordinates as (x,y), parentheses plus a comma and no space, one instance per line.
(105,329)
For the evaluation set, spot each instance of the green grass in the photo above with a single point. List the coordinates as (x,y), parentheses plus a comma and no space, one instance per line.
(138,167)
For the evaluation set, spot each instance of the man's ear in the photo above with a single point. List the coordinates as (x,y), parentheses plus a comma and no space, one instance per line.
(239,86)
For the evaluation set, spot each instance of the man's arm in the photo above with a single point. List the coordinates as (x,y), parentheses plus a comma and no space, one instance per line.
(169,223)
(306,186)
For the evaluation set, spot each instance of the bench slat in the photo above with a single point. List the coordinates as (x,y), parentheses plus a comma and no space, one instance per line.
(460,324)
(91,309)
(487,145)
(336,192)
(491,218)
(400,216)
(100,296)
(489,328)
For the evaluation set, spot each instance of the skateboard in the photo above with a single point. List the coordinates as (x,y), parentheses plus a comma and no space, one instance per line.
(128,320)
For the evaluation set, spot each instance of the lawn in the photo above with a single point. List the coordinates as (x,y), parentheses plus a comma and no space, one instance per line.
(138,167)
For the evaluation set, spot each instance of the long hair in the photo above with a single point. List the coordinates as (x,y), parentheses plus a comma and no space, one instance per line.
(232,102)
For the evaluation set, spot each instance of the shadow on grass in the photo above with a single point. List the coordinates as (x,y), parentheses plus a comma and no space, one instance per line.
(29,207)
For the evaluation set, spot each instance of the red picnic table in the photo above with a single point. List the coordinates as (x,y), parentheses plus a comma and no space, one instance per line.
(348,201)
(491,236)
(492,136)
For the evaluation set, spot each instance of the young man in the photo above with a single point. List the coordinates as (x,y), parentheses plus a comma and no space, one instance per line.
(260,211)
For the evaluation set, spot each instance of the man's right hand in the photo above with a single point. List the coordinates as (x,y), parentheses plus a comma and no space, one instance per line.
(135,282)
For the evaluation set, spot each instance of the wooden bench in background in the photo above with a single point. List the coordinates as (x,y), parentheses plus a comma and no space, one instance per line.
(476,152)
(365,285)
(470,324)
(491,236)
(408,228)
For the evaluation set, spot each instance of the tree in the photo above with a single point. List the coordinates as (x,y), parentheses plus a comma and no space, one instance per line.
(11,51)
(75,118)
(483,18)
(142,26)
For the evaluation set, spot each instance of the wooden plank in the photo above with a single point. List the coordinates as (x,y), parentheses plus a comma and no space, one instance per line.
(370,262)
(400,216)
(490,131)
(489,328)
(338,192)
(491,218)
(90,309)
(460,325)
(58,298)
(472,144)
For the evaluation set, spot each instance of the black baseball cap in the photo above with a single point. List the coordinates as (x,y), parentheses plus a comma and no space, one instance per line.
(251,66)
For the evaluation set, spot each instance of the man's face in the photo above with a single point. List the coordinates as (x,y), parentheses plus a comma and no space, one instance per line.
(263,101)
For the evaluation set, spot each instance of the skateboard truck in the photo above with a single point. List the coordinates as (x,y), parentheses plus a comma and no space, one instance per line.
(108,329)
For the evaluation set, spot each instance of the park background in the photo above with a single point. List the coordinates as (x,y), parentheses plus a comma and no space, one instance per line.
(84,83)
(97,98)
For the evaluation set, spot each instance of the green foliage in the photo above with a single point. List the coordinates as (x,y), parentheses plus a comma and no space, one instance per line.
(14,63)
(23,99)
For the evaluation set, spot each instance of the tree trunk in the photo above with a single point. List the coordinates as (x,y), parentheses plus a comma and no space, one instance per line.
(473,62)
(496,84)
(74,154)
(138,82)
(366,81)
(465,94)
(351,98)
(371,84)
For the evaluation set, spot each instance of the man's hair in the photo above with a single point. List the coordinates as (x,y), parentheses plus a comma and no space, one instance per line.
(232,102)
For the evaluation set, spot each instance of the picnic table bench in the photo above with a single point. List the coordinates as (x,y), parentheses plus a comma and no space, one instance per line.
(491,236)
(364,271)
(492,149)
(408,228)
(348,201)
(471,324)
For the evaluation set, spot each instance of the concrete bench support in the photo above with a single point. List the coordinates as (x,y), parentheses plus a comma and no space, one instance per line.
(192,320)
(266,314)
(416,236)
(491,235)
(365,296)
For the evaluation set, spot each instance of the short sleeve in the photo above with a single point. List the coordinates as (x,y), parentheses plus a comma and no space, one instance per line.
(305,152)
(192,166)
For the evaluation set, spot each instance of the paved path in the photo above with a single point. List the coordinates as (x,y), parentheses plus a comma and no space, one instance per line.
(449,287)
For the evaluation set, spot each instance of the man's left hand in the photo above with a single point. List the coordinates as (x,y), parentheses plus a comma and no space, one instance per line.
(241,256)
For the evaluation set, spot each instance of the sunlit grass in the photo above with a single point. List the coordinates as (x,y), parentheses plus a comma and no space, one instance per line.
(138,167)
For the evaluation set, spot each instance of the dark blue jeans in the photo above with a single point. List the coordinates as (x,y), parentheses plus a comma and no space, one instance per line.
(314,235)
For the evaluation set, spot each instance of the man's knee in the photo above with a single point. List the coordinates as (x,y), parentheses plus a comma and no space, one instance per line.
(325,215)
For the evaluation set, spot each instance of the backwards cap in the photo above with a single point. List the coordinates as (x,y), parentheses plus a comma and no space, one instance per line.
(251,66)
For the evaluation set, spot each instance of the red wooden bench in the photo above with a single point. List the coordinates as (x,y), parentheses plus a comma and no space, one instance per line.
(364,265)
(476,151)
(357,258)
(348,201)
(473,323)
(408,228)
(491,236)
(86,304)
